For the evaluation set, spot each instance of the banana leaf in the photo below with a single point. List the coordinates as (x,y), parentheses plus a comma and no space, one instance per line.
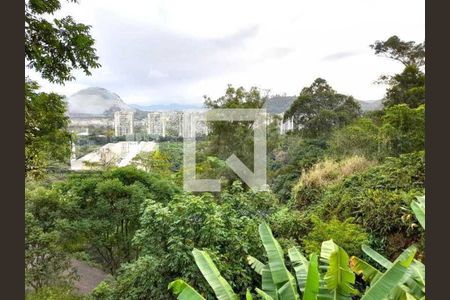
(220,286)
(300,264)
(263,295)
(339,278)
(360,267)
(283,280)
(394,276)
(418,208)
(184,291)
(255,264)
(312,280)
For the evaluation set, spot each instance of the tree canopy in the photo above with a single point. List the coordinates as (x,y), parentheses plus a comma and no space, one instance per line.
(408,86)
(319,109)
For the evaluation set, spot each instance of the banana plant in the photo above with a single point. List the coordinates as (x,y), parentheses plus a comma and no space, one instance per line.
(333,278)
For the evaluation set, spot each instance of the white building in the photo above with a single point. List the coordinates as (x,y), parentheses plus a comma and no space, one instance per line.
(123,123)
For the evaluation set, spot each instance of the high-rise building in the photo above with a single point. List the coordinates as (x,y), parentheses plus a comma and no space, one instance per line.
(123,123)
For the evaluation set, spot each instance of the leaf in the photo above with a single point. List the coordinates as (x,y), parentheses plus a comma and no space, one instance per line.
(390,279)
(267,282)
(418,208)
(339,277)
(363,268)
(312,280)
(376,256)
(263,294)
(255,264)
(220,286)
(281,277)
(184,291)
(248,295)
(300,264)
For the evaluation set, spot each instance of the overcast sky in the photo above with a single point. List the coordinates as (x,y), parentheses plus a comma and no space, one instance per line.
(165,51)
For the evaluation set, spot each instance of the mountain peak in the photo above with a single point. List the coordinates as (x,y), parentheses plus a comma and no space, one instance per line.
(96,101)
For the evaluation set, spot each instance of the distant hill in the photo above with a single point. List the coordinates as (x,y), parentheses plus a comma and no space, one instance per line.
(279,104)
(100,102)
(166,107)
(96,101)
(371,105)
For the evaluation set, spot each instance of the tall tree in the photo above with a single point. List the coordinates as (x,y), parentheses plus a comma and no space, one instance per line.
(226,138)
(54,48)
(408,86)
(46,135)
(319,109)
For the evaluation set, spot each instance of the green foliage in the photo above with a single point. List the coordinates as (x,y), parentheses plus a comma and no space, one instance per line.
(418,208)
(46,263)
(313,183)
(227,138)
(55,48)
(289,160)
(105,208)
(409,86)
(379,200)
(403,277)
(319,109)
(54,293)
(46,135)
(188,222)
(403,129)
(345,233)
(358,138)
(408,53)
(45,260)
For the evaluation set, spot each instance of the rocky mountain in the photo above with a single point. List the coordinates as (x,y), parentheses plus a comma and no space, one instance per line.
(96,101)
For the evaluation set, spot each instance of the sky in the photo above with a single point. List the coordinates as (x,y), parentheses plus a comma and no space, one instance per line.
(177,51)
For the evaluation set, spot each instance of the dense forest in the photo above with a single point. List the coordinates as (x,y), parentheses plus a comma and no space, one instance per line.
(343,217)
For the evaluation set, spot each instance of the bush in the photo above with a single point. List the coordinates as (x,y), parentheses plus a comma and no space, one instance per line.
(287,162)
(345,233)
(310,187)
(379,199)
(225,226)
(54,293)
(359,138)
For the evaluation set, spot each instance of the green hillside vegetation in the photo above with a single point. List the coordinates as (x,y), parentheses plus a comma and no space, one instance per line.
(345,199)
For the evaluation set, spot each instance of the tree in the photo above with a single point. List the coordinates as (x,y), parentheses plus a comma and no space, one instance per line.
(46,263)
(409,85)
(319,109)
(226,138)
(46,135)
(403,129)
(105,208)
(54,49)
(408,53)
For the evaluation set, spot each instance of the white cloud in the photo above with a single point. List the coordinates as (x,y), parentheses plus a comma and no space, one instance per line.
(176,51)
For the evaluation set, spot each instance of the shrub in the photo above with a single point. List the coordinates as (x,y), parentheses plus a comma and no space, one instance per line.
(169,233)
(358,138)
(310,187)
(345,233)
(378,199)
(54,293)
